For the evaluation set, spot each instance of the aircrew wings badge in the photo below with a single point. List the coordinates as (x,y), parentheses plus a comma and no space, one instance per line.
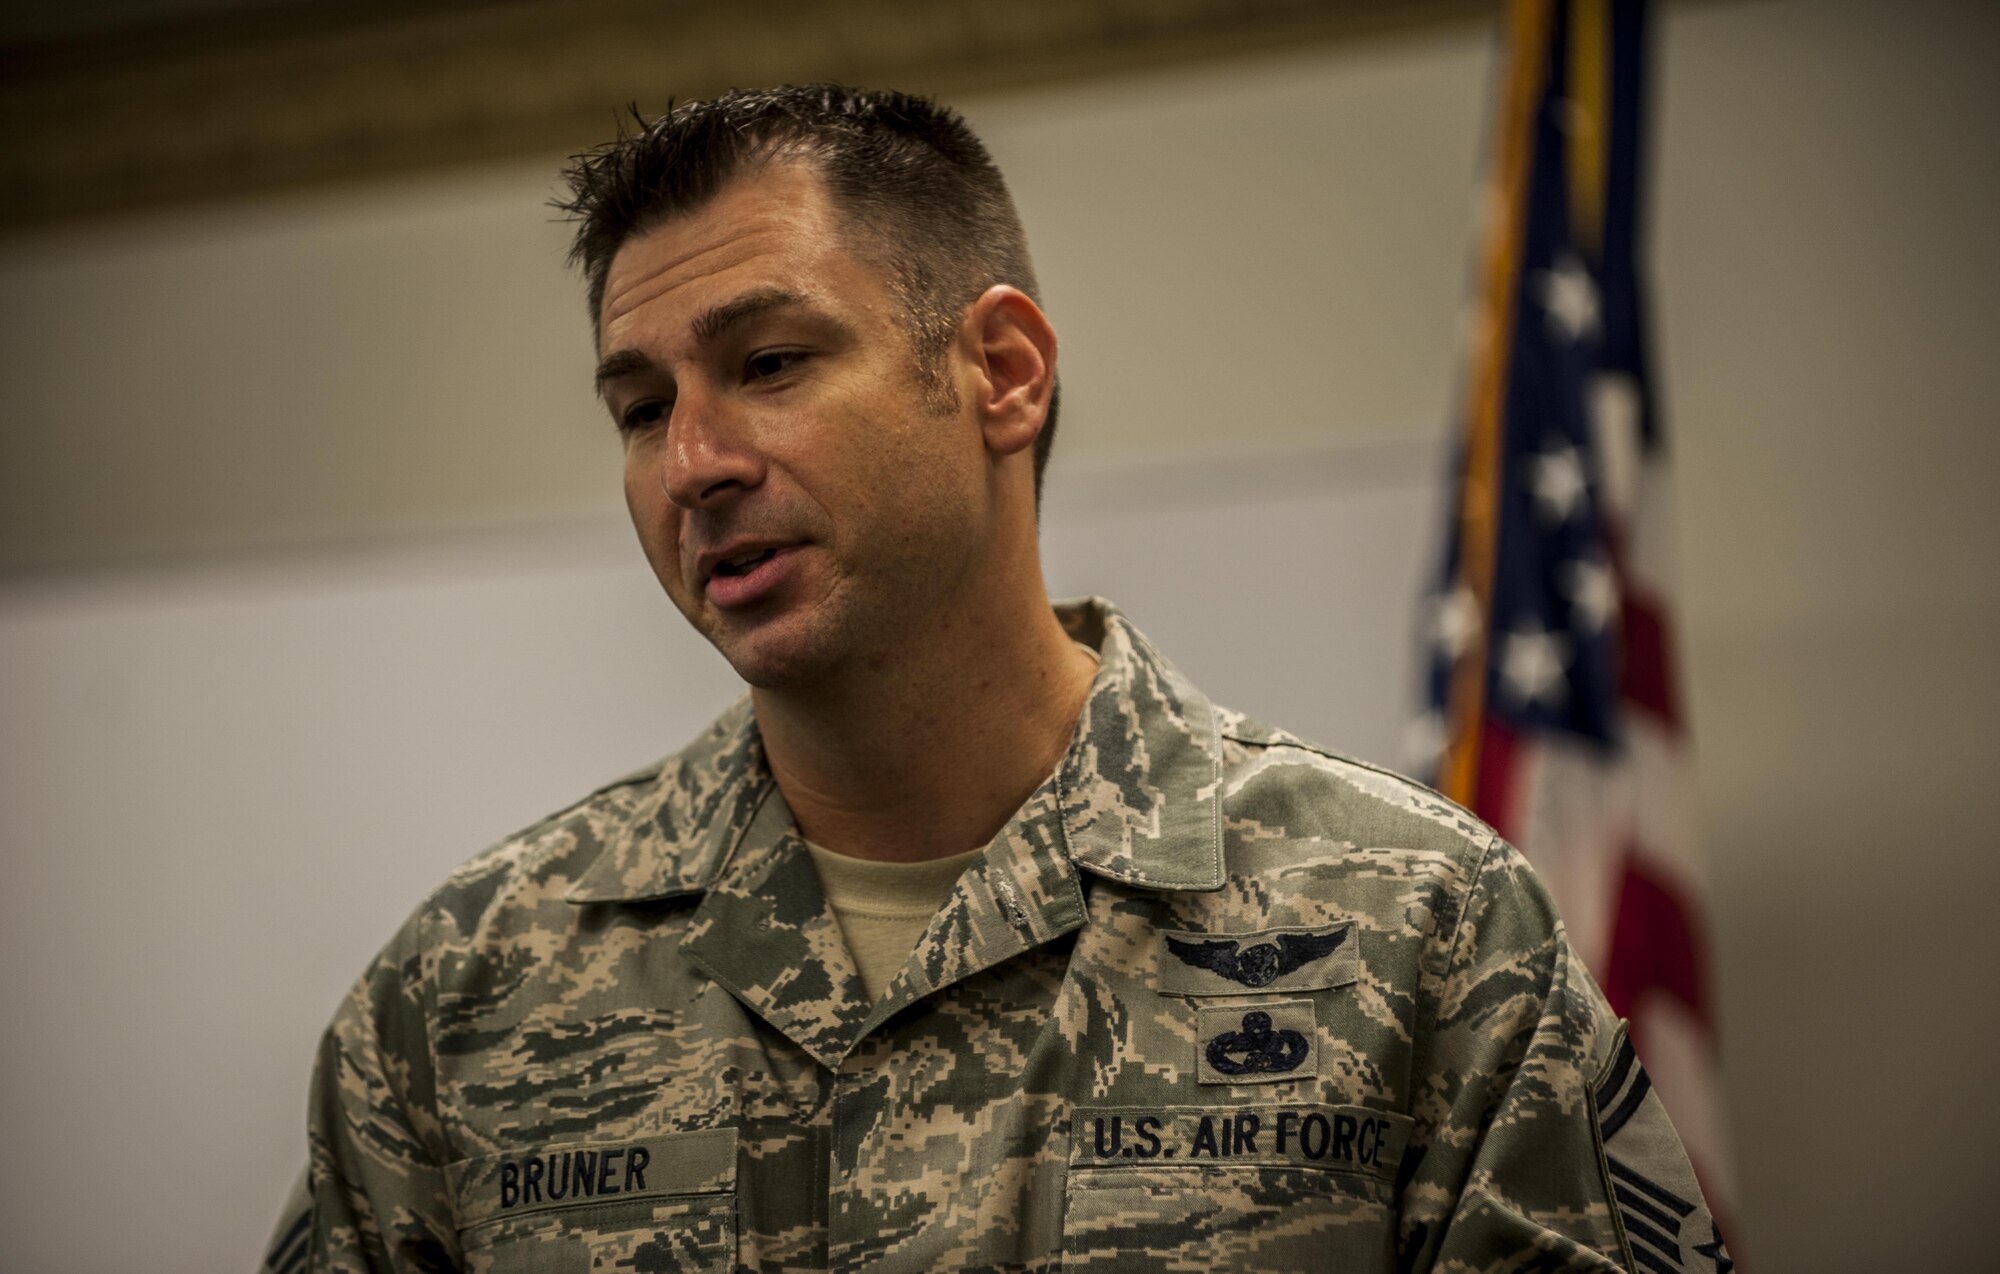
(1291,959)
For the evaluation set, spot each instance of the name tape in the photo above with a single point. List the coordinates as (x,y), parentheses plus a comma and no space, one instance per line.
(536,1178)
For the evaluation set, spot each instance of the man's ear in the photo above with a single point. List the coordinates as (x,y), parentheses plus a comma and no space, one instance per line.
(1012,351)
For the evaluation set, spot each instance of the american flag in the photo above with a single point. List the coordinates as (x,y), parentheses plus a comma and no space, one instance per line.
(1555,708)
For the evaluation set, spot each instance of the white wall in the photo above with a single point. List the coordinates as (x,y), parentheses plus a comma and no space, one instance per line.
(1830,288)
(228,776)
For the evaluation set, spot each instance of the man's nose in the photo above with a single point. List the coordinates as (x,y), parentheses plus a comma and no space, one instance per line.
(710,456)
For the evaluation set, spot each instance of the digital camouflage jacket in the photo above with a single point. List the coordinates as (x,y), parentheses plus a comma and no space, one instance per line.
(1214,999)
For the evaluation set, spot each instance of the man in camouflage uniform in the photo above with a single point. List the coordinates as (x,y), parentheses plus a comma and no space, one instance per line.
(1210,998)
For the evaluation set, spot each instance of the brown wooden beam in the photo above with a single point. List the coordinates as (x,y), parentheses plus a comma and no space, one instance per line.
(305,94)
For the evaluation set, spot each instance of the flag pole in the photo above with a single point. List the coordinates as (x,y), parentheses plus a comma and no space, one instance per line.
(1505,215)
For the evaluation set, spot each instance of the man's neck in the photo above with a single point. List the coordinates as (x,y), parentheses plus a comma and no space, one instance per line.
(930,753)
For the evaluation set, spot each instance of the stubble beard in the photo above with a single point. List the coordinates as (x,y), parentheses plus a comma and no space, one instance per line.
(859,632)
(790,654)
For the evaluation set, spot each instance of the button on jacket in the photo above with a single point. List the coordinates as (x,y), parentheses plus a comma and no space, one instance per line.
(1214,999)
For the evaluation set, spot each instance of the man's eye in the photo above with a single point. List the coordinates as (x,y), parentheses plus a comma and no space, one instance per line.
(771,362)
(644,415)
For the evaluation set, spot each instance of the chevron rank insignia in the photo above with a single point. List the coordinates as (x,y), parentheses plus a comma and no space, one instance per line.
(1290,959)
(1667,1226)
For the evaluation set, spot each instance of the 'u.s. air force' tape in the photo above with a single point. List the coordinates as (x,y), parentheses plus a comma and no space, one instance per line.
(1308,958)
(1346,1138)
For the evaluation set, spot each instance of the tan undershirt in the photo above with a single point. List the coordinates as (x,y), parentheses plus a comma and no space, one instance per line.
(883,908)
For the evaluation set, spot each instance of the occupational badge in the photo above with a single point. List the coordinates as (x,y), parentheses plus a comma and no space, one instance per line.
(1292,959)
(1240,1044)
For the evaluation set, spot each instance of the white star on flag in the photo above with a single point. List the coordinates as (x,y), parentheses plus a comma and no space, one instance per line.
(1569,297)
(1531,665)
(1593,592)
(1558,482)
(1455,622)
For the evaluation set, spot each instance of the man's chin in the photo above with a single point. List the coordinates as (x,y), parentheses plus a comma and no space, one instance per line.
(780,656)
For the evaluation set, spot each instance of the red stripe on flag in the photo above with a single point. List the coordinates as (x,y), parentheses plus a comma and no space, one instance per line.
(1656,945)
(1647,679)
(1495,793)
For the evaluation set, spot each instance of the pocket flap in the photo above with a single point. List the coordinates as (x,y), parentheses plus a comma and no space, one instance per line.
(565,1174)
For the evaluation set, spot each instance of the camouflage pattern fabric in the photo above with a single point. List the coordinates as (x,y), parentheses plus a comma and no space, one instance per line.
(631,1038)
(286,1252)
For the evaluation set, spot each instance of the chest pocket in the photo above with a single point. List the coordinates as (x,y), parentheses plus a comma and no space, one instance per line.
(665,1203)
(1270,1187)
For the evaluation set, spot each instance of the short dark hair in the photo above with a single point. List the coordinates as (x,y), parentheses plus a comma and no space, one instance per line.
(907,172)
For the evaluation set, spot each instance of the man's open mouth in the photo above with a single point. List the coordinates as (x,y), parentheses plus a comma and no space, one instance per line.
(744,563)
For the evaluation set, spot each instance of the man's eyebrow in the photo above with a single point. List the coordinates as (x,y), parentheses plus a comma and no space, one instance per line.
(710,324)
(708,327)
(624,362)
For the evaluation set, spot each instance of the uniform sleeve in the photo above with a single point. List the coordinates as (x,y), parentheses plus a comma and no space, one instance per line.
(1542,1145)
(286,1252)
(379,1198)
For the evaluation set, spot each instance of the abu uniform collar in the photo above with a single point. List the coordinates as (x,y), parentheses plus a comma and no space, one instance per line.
(1139,790)
(1141,784)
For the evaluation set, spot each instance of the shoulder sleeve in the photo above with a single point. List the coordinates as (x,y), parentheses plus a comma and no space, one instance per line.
(286,1252)
(379,1199)
(1539,1148)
